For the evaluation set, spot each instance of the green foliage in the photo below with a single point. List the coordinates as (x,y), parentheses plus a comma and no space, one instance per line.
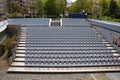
(108,18)
(9,43)
(16,15)
(118,3)
(81,5)
(96,11)
(61,6)
(104,4)
(53,8)
(113,7)
(105,18)
(40,7)
(4,17)
(117,15)
(97,8)
(11,32)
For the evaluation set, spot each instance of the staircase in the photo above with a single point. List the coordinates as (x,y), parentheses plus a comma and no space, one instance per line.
(55,22)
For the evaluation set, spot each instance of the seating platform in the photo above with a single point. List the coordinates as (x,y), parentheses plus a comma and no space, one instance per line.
(30,21)
(76,22)
(64,49)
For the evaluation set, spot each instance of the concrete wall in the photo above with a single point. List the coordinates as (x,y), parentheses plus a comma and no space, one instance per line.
(3,27)
(108,30)
(114,26)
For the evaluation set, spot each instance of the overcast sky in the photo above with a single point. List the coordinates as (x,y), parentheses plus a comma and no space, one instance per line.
(71,1)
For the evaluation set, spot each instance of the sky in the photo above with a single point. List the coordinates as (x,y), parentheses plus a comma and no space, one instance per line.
(71,1)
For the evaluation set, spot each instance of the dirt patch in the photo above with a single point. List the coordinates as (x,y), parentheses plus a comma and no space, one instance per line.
(4,65)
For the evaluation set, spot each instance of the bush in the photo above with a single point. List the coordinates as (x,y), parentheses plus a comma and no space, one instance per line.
(10,44)
(11,41)
(16,15)
(4,17)
(2,49)
(11,31)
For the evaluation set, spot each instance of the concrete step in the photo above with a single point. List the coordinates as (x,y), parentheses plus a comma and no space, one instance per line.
(63,70)
(23,60)
(19,59)
(55,23)
(20,51)
(18,64)
(20,55)
(65,48)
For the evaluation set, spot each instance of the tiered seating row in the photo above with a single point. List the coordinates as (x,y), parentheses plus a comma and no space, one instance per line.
(66,46)
(30,21)
(69,22)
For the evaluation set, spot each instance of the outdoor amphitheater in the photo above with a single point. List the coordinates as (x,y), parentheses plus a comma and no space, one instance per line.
(76,45)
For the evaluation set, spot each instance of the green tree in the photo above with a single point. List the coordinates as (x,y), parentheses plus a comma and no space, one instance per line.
(51,8)
(96,11)
(113,7)
(40,7)
(61,6)
(118,3)
(104,4)
(117,15)
(81,5)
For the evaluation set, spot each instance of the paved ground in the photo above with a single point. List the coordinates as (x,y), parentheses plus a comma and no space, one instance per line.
(109,36)
(72,76)
(15,76)
(32,76)
(113,76)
